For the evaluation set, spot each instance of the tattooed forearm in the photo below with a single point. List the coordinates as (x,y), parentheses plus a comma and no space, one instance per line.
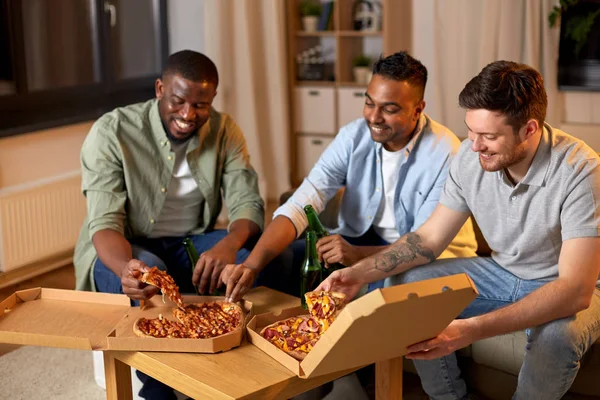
(403,253)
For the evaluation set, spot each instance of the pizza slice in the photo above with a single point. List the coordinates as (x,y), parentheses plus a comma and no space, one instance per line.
(212,318)
(165,282)
(296,335)
(325,306)
(160,328)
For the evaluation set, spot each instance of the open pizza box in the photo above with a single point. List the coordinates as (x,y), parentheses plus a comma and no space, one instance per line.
(98,321)
(375,327)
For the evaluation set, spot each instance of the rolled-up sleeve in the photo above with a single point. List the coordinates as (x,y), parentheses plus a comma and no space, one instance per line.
(240,181)
(324,180)
(102,179)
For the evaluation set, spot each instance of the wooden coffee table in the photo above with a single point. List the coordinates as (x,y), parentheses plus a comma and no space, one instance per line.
(242,373)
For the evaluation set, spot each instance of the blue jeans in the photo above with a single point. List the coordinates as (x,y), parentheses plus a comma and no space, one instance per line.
(168,254)
(553,350)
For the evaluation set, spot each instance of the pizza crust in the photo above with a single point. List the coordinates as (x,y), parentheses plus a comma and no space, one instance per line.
(138,332)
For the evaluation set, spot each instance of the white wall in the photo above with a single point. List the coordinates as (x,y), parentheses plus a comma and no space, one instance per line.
(40,155)
(186,25)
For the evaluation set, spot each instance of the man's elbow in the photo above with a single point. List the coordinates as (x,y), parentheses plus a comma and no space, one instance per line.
(582,297)
(583,302)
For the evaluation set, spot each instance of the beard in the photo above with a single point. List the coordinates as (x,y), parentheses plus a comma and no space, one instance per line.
(502,161)
(173,139)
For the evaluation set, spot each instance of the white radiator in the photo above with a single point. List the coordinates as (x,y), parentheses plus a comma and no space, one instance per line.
(40,220)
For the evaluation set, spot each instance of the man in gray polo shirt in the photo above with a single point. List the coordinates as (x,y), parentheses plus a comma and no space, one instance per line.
(533,190)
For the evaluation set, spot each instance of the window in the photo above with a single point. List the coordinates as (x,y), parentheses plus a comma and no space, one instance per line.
(579,47)
(65,61)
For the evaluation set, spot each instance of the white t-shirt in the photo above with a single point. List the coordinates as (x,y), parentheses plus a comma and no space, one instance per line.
(384,222)
(181,211)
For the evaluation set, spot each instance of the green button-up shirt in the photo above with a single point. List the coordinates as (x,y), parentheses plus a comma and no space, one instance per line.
(126,161)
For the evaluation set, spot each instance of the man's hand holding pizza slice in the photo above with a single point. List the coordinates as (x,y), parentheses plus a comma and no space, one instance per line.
(346,280)
(131,283)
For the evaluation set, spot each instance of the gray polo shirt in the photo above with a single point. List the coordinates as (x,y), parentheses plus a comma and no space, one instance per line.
(525,224)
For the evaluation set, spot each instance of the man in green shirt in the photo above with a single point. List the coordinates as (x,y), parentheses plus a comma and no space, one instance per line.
(153,174)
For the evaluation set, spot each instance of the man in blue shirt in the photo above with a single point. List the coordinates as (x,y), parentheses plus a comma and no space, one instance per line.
(392,163)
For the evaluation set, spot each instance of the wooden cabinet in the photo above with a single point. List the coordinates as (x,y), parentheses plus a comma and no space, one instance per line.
(308,149)
(350,103)
(323,94)
(314,110)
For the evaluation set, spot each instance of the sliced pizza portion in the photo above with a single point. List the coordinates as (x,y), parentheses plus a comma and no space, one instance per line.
(212,318)
(165,282)
(325,306)
(160,328)
(296,335)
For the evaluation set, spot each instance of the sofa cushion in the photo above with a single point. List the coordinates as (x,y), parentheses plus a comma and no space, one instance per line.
(503,352)
(506,352)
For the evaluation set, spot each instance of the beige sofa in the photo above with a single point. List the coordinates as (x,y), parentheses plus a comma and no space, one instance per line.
(491,366)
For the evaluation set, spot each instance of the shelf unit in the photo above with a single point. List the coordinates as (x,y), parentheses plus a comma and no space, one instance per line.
(319,108)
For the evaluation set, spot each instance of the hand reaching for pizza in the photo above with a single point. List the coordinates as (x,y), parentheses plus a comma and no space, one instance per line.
(208,270)
(335,249)
(132,287)
(345,280)
(239,279)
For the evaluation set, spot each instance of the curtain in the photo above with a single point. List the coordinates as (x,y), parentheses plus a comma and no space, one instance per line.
(455,39)
(246,40)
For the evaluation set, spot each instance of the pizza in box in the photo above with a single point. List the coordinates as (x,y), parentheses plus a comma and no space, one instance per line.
(189,321)
(298,335)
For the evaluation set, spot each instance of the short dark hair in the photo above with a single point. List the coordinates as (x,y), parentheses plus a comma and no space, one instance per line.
(192,66)
(401,66)
(512,89)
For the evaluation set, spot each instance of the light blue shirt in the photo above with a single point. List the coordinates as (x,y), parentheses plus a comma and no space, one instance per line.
(353,160)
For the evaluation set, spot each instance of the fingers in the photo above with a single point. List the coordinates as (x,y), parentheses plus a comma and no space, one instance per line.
(207,271)
(198,270)
(326,239)
(324,247)
(150,291)
(333,256)
(214,280)
(130,283)
(325,286)
(226,273)
(427,354)
(136,268)
(425,345)
(137,290)
(241,288)
(233,280)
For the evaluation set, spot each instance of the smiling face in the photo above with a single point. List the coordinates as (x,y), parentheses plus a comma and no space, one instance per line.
(392,110)
(499,145)
(183,105)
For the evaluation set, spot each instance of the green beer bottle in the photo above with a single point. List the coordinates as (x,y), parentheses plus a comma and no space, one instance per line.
(193,256)
(315,225)
(311,272)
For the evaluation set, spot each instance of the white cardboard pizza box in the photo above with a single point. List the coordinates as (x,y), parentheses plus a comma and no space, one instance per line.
(96,321)
(378,326)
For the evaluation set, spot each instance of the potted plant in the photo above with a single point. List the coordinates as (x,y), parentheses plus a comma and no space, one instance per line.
(310,10)
(361,69)
(578,28)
